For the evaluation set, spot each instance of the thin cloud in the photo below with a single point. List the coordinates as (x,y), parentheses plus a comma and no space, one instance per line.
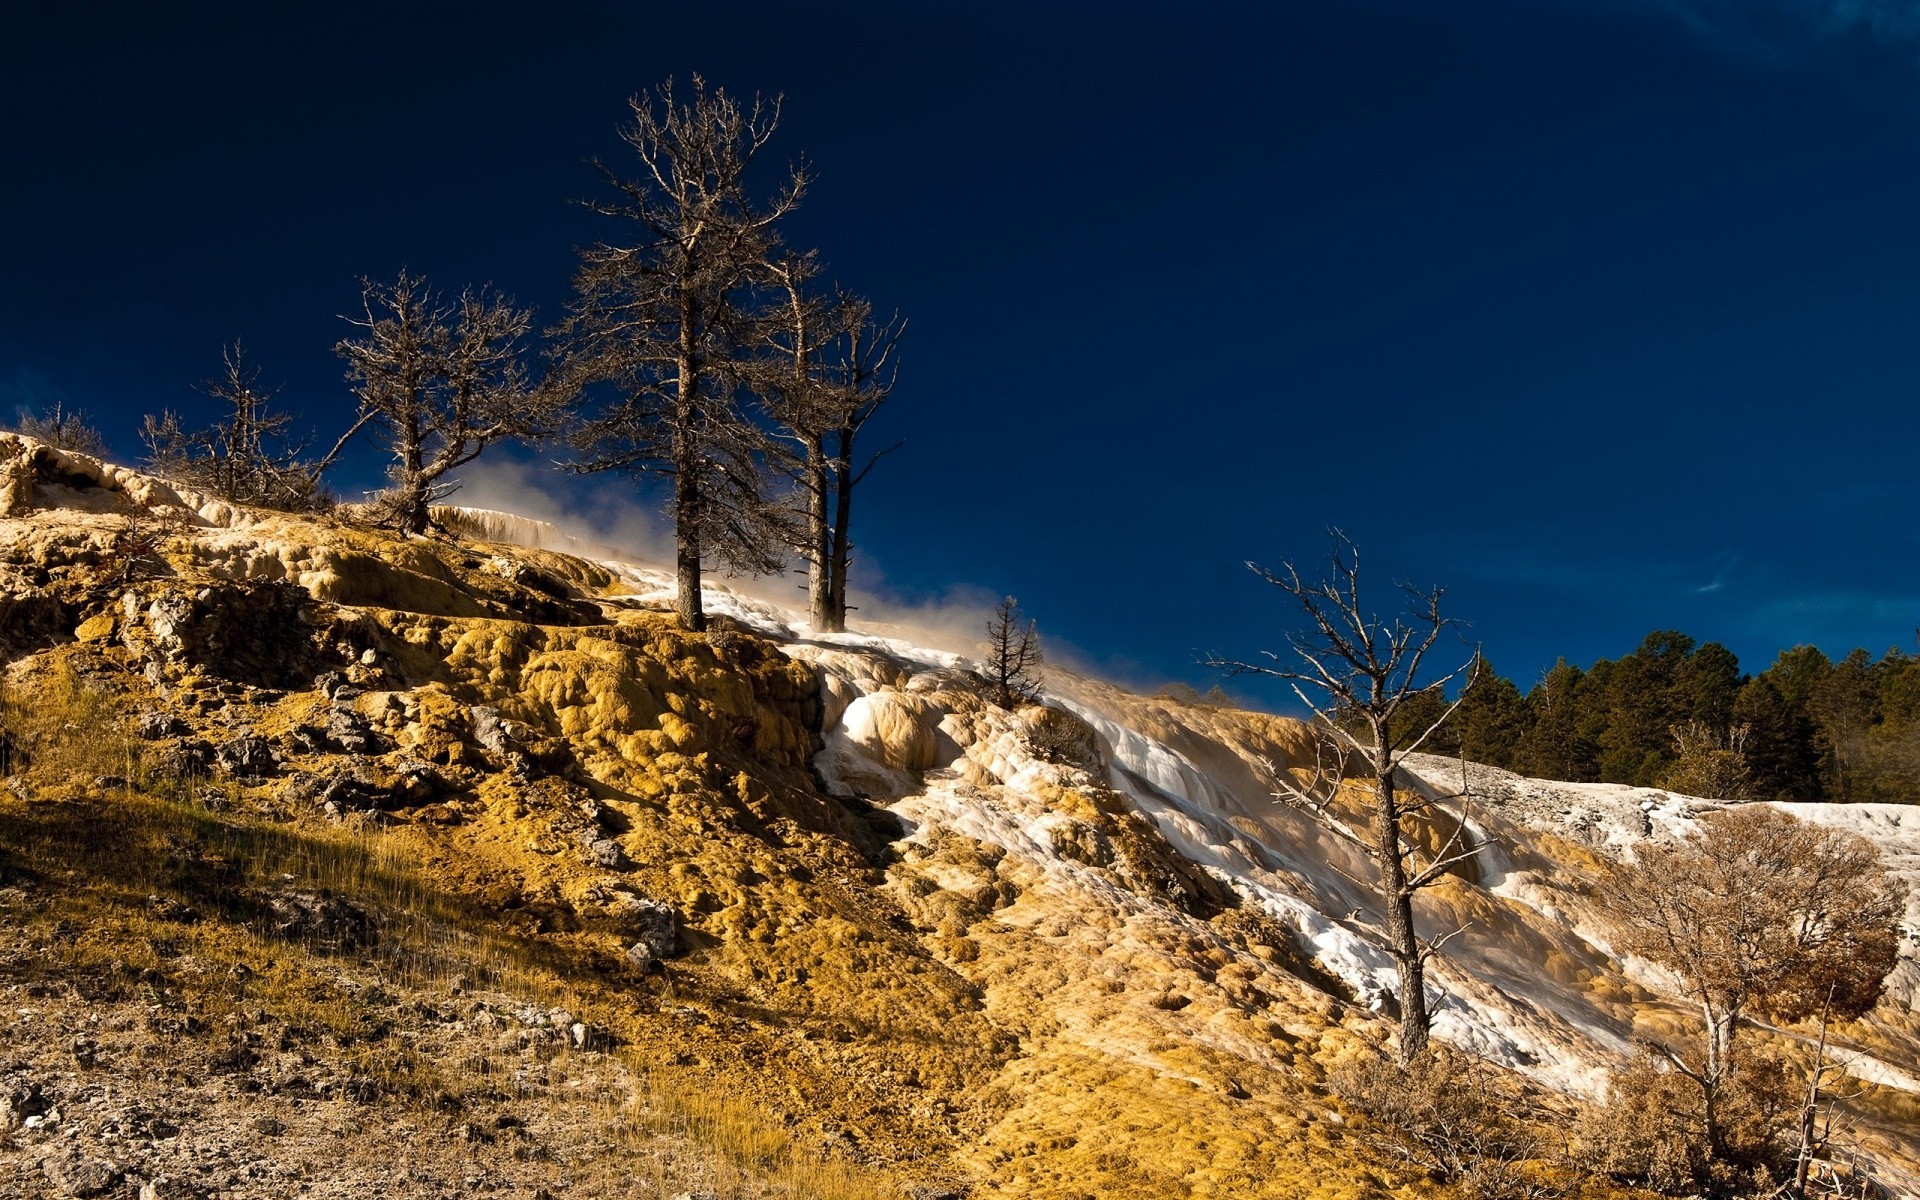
(1782,31)
(1837,621)
(1719,581)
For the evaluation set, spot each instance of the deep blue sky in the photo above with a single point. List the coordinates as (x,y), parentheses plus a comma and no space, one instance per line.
(1606,315)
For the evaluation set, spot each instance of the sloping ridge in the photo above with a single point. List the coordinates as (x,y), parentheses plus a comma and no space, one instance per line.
(1140,964)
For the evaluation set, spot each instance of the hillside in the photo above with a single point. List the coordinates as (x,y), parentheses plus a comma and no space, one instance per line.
(335,863)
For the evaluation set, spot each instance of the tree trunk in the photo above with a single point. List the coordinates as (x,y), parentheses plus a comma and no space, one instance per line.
(414,517)
(410,505)
(841,550)
(1398,899)
(1713,1077)
(1810,1108)
(688,504)
(820,608)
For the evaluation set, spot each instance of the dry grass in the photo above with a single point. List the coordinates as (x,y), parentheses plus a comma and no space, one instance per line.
(111,861)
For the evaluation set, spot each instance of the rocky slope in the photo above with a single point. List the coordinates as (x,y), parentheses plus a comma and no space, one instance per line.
(333,864)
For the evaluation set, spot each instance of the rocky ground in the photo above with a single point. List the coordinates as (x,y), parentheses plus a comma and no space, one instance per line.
(333,863)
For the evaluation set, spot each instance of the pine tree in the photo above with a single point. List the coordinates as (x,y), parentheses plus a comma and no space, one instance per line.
(659,343)
(246,455)
(1491,722)
(1351,667)
(831,369)
(1013,656)
(438,384)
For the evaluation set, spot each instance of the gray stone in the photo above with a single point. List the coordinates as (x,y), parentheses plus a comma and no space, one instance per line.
(603,852)
(318,919)
(22,1103)
(247,755)
(495,733)
(352,733)
(656,929)
(156,725)
(81,1176)
(165,1188)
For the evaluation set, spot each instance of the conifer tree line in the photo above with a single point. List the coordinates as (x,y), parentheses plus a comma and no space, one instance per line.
(1681,714)
(700,352)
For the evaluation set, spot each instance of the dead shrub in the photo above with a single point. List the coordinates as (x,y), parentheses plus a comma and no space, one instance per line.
(1447,1115)
(1652,1129)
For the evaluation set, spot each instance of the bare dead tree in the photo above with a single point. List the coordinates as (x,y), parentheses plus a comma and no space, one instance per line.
(62,428)
(439,383)
(1013,656)
(1759,913)
(245,456)
(833,366)
(1355,671)
(1710,762)
(657,346)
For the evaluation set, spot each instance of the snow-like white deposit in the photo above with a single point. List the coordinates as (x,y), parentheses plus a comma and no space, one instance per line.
(1525,984)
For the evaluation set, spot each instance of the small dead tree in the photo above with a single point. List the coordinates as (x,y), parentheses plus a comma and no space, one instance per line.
(1709,763)
(1356,671)
(245,456)
(1758,914)
(658,345)
(1453,1117)
(832,367)
(62,428)
(1013,656)
(439,384)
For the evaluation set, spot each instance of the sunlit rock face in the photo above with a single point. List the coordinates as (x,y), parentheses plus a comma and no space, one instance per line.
(1074,949)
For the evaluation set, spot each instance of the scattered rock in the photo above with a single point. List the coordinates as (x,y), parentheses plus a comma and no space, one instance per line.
(247,756)
(351,733)
(249,632)
(156,725)
(495,733)
(416,783)
(352,791)
(30,616)
(318,918)
(657,932)
(20,1105)
(81,1176)
(603,852)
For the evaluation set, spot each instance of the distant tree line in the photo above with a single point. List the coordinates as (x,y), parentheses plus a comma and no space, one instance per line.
(1679,713)
(700,350)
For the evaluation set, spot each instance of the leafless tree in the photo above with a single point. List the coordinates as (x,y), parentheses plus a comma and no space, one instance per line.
(660,337)
(833,365)
(1757,914)
(62,428)
(1355,671)
(245,456)
(1453,1117)
(1709,762)
(1013,656)
(439,383)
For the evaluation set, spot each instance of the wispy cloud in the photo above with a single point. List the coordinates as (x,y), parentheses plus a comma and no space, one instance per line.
(1728,564)
(1838,620)
(1781,30)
